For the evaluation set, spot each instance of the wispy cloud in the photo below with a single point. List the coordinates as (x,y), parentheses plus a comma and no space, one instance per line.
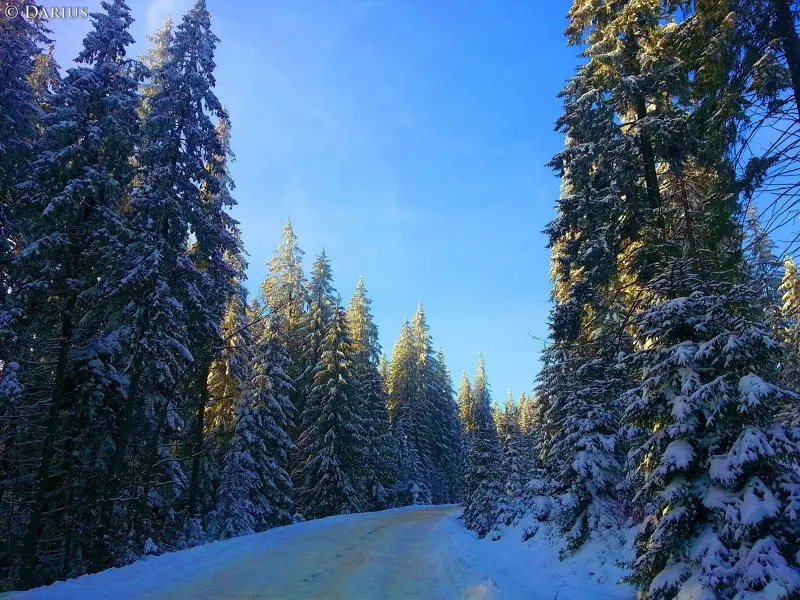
(158,10)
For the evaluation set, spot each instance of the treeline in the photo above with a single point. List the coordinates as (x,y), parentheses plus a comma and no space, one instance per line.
(668,396)
(146,403)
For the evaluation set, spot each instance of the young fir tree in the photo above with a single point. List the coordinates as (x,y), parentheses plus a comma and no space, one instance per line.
(331,447)
(69,214)
(154,291)
(483,482)
(511,469)
(378,477)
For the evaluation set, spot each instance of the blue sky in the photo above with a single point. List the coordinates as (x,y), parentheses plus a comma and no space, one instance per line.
(409,139)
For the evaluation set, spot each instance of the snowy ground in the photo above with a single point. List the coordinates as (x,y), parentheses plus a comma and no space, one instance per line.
(418,552)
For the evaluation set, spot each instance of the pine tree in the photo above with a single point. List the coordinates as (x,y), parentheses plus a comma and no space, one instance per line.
(330,449)
(323,301)
(284,293)
(409,420)
(20,111)
(447,457)
(483,487)
(378,475)
(157,286)
(255,488)
(718,500)
(70,221)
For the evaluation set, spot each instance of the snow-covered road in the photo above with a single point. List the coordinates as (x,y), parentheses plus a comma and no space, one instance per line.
(419,553)
(376,556)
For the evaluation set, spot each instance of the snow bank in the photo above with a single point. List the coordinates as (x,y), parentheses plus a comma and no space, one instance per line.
(509,569)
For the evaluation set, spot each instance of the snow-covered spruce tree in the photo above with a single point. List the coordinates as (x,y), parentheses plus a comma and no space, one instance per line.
(483,481)
(378,474)
(331,447)
(154,284)
(530,425)
(284,292)
(447,459)
(235,512)
(278,424)
(719,499)
(582,453)
(69,225)
(323,300)
(255,487)
(595,216)
(409,416)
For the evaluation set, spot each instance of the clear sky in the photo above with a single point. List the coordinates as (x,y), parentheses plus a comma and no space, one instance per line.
(407,137)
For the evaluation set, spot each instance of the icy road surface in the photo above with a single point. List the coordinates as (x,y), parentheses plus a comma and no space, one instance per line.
(419,553)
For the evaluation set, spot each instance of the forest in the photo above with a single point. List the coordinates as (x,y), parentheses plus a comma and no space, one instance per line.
(149,404)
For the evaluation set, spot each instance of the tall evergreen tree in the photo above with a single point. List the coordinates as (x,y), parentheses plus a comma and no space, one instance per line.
(378,476)
(158,281)
(407,412)
(284,293)
(71,225)
(323,301)
(447,459)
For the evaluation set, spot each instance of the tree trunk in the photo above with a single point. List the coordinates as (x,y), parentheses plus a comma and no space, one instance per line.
(197,445)
(31,541)
(97,557)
